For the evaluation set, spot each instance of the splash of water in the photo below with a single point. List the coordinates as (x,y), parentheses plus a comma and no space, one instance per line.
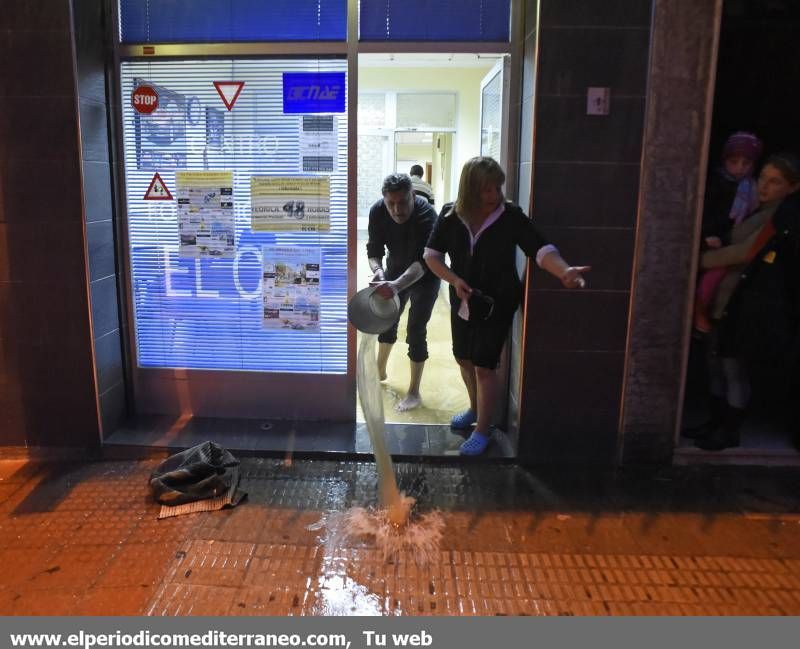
(421,536)
(391,527)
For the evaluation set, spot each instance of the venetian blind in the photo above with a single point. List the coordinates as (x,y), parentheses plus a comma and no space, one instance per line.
(204,307)
(209,21)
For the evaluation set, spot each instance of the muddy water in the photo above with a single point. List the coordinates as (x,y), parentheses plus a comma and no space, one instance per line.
(391,526)
(370,395)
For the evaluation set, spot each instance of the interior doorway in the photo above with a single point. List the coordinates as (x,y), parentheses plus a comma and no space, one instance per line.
(433,151)
(751,86)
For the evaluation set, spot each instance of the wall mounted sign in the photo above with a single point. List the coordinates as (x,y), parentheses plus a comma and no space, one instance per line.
(144,99)
(313,92)
(229,91)
(157,191)
(161,135)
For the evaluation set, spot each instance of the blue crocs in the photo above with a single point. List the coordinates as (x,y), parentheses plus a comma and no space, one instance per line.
(464,420)
(476,444)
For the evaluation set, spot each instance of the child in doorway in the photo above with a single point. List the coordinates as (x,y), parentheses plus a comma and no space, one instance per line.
(731,197)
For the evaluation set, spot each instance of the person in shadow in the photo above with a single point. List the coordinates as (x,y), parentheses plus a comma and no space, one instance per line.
(756,310)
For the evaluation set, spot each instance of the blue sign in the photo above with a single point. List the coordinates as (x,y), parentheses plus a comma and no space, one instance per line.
(313,92)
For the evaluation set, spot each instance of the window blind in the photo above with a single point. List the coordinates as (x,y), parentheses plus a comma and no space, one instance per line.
(207,311)
(439,20)
(199,21)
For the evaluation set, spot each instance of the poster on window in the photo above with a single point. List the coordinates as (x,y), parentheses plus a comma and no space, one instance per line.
(290,203)
(161,135)
(318,144)
(205,213)
(291,288)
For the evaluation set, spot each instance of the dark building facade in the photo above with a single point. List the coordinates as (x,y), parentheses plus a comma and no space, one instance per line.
(597,375)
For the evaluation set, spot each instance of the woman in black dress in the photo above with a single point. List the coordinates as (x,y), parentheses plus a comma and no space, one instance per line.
(481,232)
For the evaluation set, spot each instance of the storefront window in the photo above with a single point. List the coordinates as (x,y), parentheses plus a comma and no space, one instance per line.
(236,190)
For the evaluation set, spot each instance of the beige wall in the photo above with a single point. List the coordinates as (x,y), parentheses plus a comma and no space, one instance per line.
(418,152)
(465,82)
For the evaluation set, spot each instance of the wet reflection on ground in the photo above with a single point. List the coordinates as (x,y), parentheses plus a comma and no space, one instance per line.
(83,539)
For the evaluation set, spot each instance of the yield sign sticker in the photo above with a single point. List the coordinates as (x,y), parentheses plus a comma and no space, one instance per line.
(158,190)
(229,91)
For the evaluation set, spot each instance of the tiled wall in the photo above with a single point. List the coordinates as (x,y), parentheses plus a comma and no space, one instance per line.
(47,391)
(585,184)
(91,36)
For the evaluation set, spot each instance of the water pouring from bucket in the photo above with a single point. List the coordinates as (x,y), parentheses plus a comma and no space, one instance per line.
(372,311)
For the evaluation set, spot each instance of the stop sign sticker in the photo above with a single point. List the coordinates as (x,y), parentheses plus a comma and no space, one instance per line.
(144,99)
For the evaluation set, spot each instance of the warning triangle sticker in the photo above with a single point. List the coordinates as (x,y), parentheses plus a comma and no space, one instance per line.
(229,91)
(158,190)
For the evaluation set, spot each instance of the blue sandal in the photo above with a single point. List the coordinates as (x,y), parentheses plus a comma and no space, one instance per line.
(476,444)
(464,420)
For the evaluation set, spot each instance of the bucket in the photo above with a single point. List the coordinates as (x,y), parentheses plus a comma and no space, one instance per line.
(372,313)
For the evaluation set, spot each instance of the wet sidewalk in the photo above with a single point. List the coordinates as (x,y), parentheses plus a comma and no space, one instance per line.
(83,539)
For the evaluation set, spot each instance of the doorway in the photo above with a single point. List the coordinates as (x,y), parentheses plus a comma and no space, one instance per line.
(749,96)
(437,124)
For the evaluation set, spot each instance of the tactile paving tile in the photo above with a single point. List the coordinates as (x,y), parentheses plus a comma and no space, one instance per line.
(514,544)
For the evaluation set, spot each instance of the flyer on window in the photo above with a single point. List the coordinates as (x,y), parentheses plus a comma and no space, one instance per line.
(290,203)
(319,143)
(206,222)
(291,288)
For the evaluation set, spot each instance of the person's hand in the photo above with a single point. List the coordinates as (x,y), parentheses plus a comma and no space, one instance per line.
(378,276)
(463,290)
(572,277)
(713,242)
(386,290)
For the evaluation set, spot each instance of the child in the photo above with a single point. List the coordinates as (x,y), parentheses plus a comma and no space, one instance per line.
(731,197)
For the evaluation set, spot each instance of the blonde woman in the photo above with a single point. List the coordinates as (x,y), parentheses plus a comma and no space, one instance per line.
(481,232)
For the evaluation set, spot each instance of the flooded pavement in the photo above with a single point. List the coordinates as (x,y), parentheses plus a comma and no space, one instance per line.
(83,539)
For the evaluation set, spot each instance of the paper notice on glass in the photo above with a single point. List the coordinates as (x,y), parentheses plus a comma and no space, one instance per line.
(318,144)
(290,203)
(205,213)
(291,288)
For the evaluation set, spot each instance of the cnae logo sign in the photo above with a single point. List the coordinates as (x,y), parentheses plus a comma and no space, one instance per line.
(313,92)
(325,93)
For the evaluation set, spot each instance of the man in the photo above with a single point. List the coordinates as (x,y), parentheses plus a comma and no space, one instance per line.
(421,188)
(402,223)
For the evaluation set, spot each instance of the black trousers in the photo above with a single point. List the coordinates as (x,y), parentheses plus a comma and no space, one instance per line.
(422,297)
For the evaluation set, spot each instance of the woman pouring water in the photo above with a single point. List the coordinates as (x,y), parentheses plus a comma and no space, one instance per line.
(481,232)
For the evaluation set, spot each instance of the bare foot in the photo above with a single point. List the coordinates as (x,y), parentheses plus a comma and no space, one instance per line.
(382,376)
(410,402)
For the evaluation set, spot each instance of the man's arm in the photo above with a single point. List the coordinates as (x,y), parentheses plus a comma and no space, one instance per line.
(376,267)
(410,275)
(376,245)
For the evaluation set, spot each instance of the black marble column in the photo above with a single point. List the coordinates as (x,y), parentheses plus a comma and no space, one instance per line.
(47,385)
(584,172)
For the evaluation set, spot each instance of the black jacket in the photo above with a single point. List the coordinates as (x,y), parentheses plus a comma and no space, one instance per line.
(492,266)
(405,242)
(762,320)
